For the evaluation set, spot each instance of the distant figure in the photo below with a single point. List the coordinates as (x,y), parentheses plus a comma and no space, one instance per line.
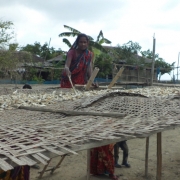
(27,86)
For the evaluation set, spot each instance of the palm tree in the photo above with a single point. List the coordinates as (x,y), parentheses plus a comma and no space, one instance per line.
(95,46)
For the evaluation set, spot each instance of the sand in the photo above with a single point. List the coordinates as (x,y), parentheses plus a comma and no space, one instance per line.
(74,166)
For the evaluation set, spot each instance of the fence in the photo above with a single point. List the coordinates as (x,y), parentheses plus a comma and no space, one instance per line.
(134,73)
(46,82)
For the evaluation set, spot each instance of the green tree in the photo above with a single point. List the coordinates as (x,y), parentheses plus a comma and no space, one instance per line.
(128,53)
(149,54)
(42,51)
(13,46)
(131,47)
(104,63)
(7,60)
(160,63)
(6,33)
(32,48)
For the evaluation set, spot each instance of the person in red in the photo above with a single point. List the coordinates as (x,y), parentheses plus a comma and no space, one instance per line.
(78,63)
(102,161)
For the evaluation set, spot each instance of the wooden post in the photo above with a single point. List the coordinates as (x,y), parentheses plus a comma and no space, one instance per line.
(51,74)
(44,169)
(146,157)
(127,72)
(152,68)
(88,163)
(178,66)
(91,79)
(61,160)
(113,68)
(116,77)
(159,156)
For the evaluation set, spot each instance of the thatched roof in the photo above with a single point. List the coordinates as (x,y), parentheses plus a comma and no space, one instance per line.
(135,56)
(56,59)
(21,56)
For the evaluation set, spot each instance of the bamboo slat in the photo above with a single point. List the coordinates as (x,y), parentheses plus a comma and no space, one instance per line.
(116,77)
(5,166)
(91,79)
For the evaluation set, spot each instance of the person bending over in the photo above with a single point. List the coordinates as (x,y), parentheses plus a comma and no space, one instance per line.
(78,63)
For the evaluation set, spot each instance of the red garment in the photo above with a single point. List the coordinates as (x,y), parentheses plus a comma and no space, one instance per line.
(102,160)
(18,173)
(78,68)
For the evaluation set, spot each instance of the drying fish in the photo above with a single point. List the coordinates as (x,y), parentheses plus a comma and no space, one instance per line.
(42,99)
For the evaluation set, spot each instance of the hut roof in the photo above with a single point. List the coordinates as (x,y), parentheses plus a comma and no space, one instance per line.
(22,56)
(136,56)
(56,59)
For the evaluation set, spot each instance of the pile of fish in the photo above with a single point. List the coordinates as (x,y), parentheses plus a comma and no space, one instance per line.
(155,91)
(43,98)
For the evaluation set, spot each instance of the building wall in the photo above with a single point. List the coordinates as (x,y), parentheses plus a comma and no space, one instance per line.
(133,74)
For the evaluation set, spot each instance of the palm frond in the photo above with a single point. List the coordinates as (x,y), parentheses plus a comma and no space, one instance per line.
(90,38)
(103,40)
(72,29)
(66,41)
(97,46)
(68,34)
(107,41)
(100,35)
(71,34)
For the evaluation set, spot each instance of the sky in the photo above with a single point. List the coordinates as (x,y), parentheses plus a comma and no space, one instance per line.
(120,20)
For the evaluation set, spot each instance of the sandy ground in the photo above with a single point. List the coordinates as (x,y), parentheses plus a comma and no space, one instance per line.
(74,166)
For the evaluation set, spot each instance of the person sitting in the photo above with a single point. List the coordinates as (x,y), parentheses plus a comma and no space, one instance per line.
(27,86)
(124,147)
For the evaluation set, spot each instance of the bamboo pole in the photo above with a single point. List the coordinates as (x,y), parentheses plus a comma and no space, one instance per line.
(44,169)
(116,77)
(91,79)
(88,163)
(71,113)
(137,75)
(159,156)
(146,157)
(72,85)
(61,160)
(152,68)
(178,67)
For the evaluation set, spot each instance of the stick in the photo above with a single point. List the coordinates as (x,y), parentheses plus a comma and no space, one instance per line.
(159,156)
(91,79)
(44,169)
(72,113)
(146,157)
(61,160)
(116,77)
(72,85)
(88,163)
